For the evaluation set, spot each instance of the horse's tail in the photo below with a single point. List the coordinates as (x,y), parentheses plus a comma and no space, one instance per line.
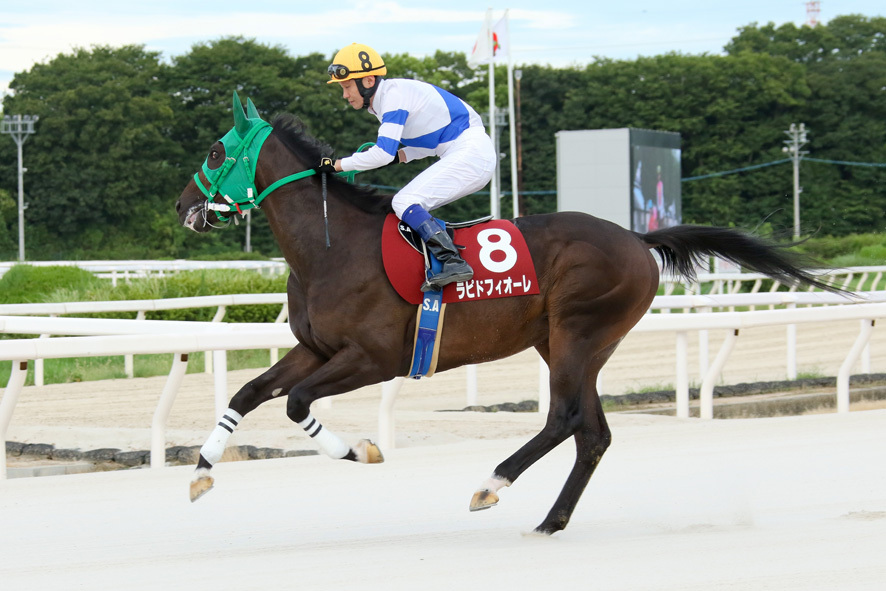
(684,248)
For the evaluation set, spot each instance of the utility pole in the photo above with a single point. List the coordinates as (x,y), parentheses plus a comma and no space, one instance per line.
(792,147)
(20,127)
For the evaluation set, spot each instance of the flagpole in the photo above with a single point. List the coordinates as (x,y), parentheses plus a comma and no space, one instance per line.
(494,202)
(512,123)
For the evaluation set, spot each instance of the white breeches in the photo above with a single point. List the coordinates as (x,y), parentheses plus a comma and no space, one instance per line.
(466,168)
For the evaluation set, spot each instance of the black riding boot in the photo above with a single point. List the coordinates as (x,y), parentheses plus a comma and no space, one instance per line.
(440,244)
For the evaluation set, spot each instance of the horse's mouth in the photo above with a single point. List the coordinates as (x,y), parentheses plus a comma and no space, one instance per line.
(193,214)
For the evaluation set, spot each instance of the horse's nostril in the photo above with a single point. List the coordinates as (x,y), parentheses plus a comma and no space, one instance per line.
(178,207)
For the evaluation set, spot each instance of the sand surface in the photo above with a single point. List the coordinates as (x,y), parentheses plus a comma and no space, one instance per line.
(790,503)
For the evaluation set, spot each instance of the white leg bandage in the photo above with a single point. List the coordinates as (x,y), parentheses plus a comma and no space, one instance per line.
(330,443)
(494,483)
(214,447)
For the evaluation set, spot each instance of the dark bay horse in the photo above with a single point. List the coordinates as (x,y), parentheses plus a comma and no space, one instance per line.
(596,280)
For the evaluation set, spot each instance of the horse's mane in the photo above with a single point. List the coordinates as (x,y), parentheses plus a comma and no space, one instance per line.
(292,131)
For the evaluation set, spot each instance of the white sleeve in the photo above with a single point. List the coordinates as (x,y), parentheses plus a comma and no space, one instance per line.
(374,157)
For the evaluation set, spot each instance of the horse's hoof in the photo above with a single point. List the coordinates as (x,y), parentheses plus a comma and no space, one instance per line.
(200,487)
(368,452)
(483,499)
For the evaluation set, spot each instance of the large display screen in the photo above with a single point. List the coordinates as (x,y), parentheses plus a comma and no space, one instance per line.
(655,170)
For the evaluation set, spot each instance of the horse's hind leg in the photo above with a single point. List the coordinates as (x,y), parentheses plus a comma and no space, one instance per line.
(557,428)
(592,434)
(349,369)
(591,441)
(575,410)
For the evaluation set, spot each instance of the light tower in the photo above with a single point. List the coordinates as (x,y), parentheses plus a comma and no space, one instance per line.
(20,127)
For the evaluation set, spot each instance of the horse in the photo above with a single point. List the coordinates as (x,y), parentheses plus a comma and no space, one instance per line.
(596,280)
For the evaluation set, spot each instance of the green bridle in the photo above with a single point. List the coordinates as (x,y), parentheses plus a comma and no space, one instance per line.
(234,181)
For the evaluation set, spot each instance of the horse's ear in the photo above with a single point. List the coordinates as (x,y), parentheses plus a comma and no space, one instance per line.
(251,111)
(241,123)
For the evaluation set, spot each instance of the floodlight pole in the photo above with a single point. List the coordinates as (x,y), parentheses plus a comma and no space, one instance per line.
(792,147)
(20,127)
(518,75)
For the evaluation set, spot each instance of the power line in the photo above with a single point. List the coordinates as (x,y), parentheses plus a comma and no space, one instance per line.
(845,162)
(765,164)
(734,171)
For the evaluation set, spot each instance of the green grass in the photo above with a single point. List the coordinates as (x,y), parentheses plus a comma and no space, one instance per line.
(654,388)
(87,369)
(810,374)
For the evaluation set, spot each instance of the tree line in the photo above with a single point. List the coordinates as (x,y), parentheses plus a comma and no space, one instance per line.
(121,131)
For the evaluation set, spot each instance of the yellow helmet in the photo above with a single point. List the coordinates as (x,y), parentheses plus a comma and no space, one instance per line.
(356,61)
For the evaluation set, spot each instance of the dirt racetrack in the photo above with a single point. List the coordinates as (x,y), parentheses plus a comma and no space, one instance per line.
(789,503)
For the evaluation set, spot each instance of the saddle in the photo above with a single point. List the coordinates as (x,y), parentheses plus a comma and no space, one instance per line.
(495,249)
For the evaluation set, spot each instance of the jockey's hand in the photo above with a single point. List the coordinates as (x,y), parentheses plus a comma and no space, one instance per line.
(326,165)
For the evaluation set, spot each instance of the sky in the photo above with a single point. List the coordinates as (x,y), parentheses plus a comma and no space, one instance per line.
(562,33)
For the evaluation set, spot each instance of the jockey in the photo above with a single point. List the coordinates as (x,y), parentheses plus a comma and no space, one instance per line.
(426,121)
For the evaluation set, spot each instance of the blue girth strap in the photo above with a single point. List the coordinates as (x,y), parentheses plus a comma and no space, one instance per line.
(427,332)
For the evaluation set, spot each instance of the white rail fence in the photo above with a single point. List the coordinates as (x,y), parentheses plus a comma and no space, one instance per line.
(865,278)
(869,278)
(665,304)
(141,308)
(180,338)
(126,270)
(197,337)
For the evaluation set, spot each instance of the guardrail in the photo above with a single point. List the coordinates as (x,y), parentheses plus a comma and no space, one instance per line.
(216,338)
(733,322)
(222,337)
(664,304)
(141,307)
(869,279)
(682,324)
(115,270)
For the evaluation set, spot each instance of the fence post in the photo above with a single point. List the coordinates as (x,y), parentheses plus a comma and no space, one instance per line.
(219,314)
(792,346)
(867,328)
(7,405)
(389,391)
(220,379)
(164,405)
(706,396)
(682,385)
(544,386)
(129,360)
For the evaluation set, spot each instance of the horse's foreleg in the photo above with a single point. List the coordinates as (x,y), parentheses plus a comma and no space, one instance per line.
(212,452)
(270,384)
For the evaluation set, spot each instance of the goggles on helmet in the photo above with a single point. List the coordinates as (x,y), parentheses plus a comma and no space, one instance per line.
(341,72)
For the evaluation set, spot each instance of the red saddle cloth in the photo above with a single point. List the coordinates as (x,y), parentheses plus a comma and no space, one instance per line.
(495,250)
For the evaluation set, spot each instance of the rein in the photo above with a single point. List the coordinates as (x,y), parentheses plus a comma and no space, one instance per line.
(244,188)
